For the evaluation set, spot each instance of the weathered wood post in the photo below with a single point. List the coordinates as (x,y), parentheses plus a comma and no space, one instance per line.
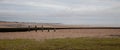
(54,29)
(42,28)
(48,29)
(29,28)
(35,28)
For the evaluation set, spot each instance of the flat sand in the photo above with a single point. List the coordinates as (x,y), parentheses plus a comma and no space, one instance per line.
(63,33)
(68,33)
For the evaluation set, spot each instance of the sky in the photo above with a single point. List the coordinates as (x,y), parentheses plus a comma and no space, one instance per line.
(80,12)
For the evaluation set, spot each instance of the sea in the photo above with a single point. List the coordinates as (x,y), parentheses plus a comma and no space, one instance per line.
(94,21)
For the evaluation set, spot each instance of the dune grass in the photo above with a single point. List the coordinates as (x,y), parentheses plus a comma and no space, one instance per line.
(61,44)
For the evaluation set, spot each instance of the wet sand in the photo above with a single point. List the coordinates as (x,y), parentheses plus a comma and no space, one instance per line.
(68,33)
(62,33)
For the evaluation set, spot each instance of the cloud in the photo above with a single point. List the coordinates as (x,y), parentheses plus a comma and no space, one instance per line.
(70,9)
(63,7)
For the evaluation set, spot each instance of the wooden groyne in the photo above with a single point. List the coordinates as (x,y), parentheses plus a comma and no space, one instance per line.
(49,28)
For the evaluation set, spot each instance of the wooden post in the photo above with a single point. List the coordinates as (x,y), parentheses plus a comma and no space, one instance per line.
(29,28)
(54,29)
(48,30)
(35,28)
(42,28)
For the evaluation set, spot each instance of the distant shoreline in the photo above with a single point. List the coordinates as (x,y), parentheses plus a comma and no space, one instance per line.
(66,25)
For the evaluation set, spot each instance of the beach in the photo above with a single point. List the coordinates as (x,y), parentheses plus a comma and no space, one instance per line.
(60,33)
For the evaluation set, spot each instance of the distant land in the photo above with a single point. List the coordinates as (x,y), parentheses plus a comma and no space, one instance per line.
(9,24)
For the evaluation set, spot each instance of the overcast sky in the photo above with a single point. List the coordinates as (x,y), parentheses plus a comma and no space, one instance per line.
(106,12)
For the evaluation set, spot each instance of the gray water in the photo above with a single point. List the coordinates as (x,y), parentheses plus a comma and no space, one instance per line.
(107,21)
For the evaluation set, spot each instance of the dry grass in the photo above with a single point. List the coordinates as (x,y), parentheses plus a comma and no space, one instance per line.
(62,44)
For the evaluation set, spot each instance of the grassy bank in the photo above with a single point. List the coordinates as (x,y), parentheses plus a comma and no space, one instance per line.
(62,44)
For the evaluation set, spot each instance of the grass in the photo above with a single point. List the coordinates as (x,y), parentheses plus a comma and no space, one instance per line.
(62,44)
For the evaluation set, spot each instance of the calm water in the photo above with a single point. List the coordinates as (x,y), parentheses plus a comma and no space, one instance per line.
(107,21)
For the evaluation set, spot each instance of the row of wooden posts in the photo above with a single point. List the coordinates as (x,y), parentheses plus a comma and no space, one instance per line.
(42,29)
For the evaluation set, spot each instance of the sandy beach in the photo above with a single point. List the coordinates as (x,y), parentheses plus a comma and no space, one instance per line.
(70,33)
(62,33)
